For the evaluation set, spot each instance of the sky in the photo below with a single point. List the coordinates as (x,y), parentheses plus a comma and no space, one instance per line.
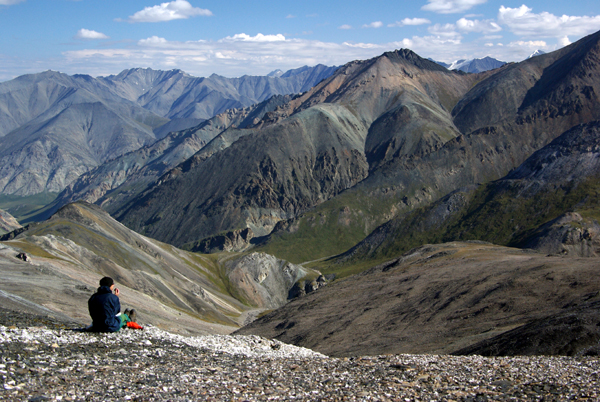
(240,37)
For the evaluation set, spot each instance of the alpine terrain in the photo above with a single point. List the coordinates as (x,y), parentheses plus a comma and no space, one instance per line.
(375,140)
(401,206)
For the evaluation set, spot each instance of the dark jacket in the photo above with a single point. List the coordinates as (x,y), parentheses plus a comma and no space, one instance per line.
(104,307)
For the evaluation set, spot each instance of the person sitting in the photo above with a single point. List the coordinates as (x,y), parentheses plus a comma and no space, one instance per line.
(105,308)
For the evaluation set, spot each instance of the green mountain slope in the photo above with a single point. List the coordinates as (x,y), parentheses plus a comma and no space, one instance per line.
(548,203)
(503,119)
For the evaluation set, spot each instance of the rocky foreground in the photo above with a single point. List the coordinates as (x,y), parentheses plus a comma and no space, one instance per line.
(47,363)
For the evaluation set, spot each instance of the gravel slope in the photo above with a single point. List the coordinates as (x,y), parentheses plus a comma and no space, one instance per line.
(46,363)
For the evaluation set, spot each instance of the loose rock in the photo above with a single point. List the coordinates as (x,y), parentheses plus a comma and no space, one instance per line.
(156,365)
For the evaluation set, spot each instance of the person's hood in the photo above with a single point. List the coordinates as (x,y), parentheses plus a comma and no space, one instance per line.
(104,289)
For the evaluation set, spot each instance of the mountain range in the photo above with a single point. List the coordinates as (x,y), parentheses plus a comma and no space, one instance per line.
(378,138)
(459,209)
(55,127)
(117,181)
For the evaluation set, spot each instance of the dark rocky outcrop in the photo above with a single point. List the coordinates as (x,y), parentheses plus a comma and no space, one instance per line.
(237,240)
(304,287)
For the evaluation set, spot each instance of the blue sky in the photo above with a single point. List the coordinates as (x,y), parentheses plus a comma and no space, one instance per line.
(233,38)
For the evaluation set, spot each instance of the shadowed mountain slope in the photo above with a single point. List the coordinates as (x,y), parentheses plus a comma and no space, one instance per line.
(293,167)
(442,298)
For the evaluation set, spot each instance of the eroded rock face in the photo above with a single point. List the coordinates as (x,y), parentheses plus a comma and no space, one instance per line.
(569,234)
(236,240)
(264,280)
(8,223)
(303,287)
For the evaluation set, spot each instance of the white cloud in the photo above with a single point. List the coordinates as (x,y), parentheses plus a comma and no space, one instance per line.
(290,16)
(89,34)
(531,44)
(446,31)
(345,26)
(450,6)
(361,45)
(174,10)
(521,21)
(410,21)
(376,24)
(152,41)
(564,41)
(258,38)
(9,2)
(484,26)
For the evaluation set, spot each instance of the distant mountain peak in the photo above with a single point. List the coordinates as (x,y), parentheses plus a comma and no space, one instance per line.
(476,65)
(275,73)
(538,52)
(414,59)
